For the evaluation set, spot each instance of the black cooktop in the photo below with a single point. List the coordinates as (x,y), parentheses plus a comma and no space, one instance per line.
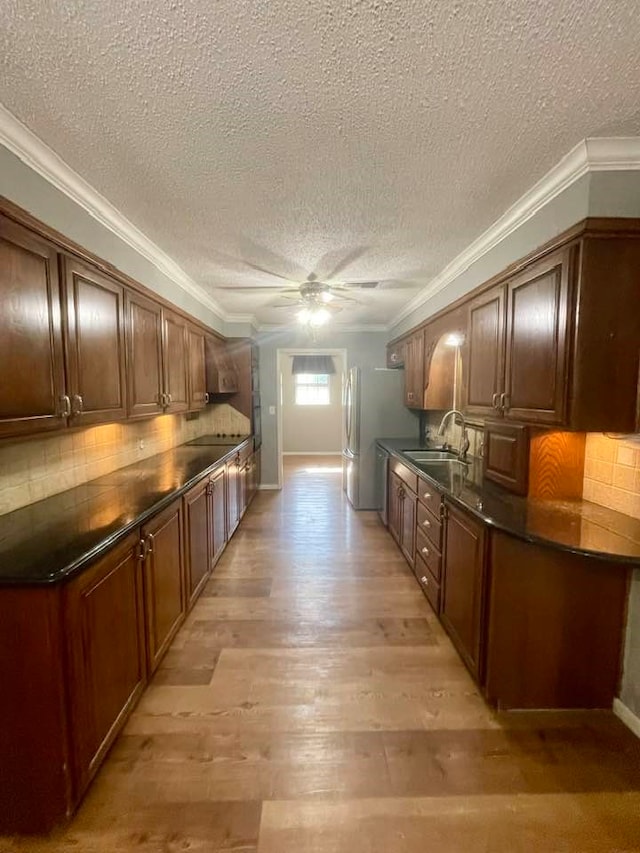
(219,438)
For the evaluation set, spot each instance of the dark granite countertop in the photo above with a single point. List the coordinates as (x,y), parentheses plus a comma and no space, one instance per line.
(51,540)
(578,526)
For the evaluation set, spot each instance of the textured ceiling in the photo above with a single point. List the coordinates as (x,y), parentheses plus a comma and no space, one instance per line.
(362,139)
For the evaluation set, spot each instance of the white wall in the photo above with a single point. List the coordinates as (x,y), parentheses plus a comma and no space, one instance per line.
(311,429)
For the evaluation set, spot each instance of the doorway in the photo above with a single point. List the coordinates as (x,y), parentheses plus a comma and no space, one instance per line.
(310,405)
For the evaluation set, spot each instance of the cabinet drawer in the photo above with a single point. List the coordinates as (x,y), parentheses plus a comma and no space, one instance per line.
(431,526)
(427,552)
(428,583)
(429,496)
(406,475)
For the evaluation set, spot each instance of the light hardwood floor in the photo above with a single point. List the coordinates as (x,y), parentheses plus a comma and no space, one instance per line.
(313,704)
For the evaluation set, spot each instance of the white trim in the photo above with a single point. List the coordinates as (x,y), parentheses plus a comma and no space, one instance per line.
(591,155)
(333,327)
(263,487)
(38,156)
(312,453)
(627,716)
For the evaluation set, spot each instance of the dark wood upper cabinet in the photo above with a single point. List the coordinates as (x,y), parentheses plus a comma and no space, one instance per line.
(32,391)
(197,518)
(536,351)
(95,344)
(144,356)
(163,580)
(414,370)
(197,375)
(221,370)
(106,654)
(175,363)
(462,607)
(486,352)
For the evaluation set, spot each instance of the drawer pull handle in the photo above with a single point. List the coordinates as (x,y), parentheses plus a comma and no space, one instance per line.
(426,523)
(427,496)
(426,551)
(425,580)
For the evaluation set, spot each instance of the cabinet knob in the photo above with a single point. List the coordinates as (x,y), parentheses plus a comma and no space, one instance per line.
(426,551)
(426,523)
(427,496)
(206,397)
(424,580)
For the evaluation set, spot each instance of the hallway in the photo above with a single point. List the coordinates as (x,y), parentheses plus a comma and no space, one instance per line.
(313,704)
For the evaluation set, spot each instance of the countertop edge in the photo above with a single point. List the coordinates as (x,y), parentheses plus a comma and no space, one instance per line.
(74,568)
(604,556)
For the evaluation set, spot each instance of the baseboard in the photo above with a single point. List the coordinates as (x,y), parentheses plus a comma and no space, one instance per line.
(627,716)
(265,486)
(312,453)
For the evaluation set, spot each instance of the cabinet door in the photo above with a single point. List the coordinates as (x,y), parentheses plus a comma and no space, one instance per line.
(197,520)
(31,354)
(105,653)
(462,608)
(197,377)
(414,371)
(176,363)
(144,356)
(486,352)
(394,507)
(408,527)
(163,580)
(537,342)
(95,344)
(218,515)
(233,495)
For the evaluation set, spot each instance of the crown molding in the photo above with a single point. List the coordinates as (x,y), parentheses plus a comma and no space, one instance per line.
(332,327)
(605,154)
(45,162)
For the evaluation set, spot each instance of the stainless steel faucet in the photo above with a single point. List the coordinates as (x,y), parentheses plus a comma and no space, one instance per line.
(464,441)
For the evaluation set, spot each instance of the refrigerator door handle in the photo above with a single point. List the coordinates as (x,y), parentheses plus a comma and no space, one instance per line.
(348,405)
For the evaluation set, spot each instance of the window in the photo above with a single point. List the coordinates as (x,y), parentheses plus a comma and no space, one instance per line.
(312,389)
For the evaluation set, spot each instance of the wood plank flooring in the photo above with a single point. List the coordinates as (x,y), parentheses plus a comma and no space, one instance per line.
(313,704)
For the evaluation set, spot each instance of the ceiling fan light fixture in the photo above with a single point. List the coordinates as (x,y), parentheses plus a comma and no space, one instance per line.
(319,316)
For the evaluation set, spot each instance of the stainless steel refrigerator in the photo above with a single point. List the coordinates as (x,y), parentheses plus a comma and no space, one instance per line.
(373,408)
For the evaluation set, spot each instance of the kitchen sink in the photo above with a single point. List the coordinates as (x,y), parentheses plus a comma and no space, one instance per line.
(422,456)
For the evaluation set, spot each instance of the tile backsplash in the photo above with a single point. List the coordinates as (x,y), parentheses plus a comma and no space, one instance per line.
(612,472)
(34,469)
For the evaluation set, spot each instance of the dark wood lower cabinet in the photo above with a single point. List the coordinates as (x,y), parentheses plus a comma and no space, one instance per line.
(75,657)
(218,513)
(401,515)
(106,654)
(163,580)
(233,495)
(555,627)
(462,608)
(198,523)
(408,525)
